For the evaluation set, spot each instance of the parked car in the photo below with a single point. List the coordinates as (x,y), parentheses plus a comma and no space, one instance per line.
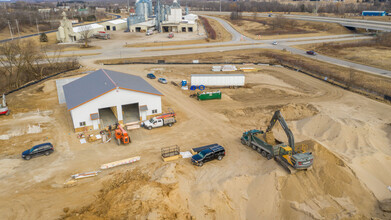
(162,80)
(311,52)
(38,150)
(211,152)
(149,32)
(274,43)
(151,76)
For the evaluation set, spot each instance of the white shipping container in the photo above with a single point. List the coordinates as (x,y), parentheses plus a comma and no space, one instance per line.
(218,79)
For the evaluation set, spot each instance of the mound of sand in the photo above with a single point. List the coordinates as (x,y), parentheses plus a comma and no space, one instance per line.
(330,190)
(260,116)
(134,195)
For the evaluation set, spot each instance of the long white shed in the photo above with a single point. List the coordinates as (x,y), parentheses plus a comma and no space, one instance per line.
(218,79)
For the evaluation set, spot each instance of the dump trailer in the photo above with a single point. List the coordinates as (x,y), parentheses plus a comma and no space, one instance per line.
(286,155)
(254,139)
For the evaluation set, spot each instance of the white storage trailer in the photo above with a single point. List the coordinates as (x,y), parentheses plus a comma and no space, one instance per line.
(218,79)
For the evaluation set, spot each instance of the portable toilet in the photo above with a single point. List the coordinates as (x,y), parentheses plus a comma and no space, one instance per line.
(184,83)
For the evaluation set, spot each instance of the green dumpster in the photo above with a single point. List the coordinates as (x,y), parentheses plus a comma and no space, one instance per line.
(209,95)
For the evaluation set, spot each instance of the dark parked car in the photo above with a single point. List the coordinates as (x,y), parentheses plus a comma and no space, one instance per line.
(311,52)
(210,153)
(151,76)
(38,150)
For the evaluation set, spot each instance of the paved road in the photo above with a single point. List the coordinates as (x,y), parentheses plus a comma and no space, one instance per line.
(356,23)
(237,43)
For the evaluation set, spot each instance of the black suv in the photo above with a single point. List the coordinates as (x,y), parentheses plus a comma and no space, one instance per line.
(40,149)
(207,153)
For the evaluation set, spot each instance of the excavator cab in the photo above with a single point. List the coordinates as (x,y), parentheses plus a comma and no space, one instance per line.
(286,153)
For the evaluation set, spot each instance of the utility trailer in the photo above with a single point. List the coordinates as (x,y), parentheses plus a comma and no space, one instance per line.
(101,35)
(171,153)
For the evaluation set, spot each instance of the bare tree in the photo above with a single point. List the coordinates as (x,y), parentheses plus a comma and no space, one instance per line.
(85,33)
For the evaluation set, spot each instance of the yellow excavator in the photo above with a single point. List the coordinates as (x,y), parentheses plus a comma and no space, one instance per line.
(286,155)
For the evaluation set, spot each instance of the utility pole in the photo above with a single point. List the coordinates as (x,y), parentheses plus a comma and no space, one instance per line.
(128,6)
(9,25)
(17,26)
(220,5)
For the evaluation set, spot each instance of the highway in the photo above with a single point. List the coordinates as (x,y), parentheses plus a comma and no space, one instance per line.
(354,23)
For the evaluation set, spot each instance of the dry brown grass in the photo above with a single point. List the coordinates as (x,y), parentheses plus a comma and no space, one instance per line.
(372,55)
(349,78)
(252,28)
(222,36)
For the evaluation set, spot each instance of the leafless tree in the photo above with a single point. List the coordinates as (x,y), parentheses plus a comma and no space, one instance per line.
(85,33)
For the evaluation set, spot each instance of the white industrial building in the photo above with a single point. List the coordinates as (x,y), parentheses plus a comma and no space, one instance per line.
(115,25)
(218,80)
(105,97)
(91,29)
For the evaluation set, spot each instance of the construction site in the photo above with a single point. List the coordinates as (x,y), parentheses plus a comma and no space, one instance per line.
(347,134)
(234,127)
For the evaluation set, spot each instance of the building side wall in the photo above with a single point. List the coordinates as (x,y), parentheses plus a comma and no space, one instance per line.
(218,80)
(114,98)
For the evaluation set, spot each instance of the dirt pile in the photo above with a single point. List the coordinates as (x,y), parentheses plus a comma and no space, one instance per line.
(329,190)
(134,194)
(260,116)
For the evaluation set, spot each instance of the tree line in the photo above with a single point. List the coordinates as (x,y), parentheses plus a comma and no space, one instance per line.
(22,61)
(274,6)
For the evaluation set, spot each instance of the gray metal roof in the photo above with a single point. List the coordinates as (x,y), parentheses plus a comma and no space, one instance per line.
(101,81)
(217,74)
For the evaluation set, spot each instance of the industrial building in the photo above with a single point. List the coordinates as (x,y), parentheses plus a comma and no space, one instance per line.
(68,34)
(163,18)
(105,97)
(91,28)
(115,25)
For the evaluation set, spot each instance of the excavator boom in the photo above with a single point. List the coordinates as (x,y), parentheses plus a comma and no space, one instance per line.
(277,116)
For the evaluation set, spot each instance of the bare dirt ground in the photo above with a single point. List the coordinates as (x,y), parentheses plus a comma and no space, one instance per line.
(263,27)
(347,133)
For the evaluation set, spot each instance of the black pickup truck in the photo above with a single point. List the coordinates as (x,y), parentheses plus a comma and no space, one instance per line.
(207,153)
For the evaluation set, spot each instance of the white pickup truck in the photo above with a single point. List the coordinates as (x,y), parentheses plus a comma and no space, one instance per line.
(158,122)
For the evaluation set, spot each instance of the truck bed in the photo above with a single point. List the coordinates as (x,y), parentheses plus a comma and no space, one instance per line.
(259,141)
(199,149)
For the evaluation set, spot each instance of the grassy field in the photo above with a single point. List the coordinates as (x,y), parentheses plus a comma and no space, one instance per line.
(270,28)
(222,36)
(372,55)
(348,78)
